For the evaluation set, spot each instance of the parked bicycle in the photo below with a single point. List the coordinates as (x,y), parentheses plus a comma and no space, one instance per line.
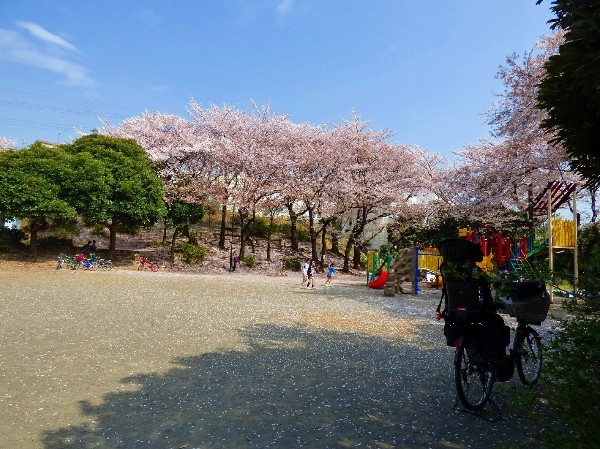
(147,263)
(478,333)
(64,261)
(105,264)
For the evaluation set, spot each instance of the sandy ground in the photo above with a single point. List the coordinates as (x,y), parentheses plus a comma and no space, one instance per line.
(130,359)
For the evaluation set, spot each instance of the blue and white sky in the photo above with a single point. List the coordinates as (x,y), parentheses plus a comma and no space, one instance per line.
(424,69)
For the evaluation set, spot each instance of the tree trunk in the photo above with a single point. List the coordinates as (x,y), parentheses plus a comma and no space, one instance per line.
(293,226)
(356,258)
(335,242)
(173,240)
(112,245)
(323,244)
(33,241)
(223,226)
(347,250)
(192,239)
(244,228)
(593,206)
(269,232)
(313,234)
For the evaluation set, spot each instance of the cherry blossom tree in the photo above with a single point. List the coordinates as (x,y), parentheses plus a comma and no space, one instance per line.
(6,143)
(380,180)
(494,177)
(180,153)
(247,157)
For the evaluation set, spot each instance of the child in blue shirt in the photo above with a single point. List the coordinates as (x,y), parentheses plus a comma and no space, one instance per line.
(330,271)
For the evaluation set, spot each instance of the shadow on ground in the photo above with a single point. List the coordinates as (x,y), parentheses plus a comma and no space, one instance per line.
(293,388)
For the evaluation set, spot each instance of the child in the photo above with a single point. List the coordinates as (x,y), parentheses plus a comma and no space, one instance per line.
(304,274)
(330,271)
(310,275)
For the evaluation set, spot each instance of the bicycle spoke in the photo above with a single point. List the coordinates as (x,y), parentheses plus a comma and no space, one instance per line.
(529,357)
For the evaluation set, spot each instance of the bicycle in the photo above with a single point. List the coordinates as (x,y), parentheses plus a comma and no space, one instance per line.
(475,374)
(145,262)
(62,260)
(480,340)
(105,264)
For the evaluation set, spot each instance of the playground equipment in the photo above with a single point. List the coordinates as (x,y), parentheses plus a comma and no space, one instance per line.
(378,266)
(550,199)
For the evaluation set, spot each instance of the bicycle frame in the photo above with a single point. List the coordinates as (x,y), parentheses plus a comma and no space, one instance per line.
(145,262)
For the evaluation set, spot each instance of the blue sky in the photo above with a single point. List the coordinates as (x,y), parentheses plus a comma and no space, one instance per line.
(424,69)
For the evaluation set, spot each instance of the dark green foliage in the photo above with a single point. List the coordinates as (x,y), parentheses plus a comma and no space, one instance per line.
(404,235)
(571,379)
(52,242)
(259,228)
(11,239)
(181,214)
(293,263)
(302,232)
(134,193)
(249,260)
(47,187)
(192,254)
(573,374)
(569,91)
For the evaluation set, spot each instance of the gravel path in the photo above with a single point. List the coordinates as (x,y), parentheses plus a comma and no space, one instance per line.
(128,359)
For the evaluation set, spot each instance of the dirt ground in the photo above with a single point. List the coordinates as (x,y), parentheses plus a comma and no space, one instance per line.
(134,359)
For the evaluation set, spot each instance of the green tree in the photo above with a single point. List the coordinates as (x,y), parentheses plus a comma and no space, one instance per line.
(45,187)
(182,215)
(135,193)
(569,90)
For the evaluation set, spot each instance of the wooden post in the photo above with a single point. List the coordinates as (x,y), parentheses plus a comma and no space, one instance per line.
(550,251)
(575,258)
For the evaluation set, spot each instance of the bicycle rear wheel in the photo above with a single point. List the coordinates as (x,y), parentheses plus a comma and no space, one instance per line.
(474,382)
(528,360)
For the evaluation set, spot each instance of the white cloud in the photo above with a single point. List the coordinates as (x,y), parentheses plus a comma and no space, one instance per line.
(284,7)
(46,36)
(17,48)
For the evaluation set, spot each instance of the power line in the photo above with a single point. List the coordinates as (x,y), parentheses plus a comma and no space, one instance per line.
(64,100)
(34,124)
(39,107)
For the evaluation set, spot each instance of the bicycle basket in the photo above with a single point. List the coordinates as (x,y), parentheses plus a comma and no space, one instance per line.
(528,301)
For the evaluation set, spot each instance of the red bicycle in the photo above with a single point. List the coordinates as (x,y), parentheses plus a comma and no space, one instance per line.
(147,263)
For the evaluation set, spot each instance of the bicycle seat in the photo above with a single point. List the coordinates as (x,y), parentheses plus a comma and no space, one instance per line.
(461,277)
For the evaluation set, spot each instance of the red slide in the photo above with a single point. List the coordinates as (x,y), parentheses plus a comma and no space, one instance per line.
(380,280)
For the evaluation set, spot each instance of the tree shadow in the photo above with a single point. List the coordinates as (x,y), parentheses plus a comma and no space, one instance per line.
(293,387)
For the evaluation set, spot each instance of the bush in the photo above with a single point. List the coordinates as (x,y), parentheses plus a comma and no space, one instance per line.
(250,261)
(259,228)
(293,263)
(302,231)
(192,253)
(12,237)
(571,370)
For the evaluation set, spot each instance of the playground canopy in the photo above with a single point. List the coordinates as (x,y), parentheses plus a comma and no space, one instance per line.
(560,192)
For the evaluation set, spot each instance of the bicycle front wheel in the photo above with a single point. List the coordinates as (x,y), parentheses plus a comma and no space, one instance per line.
(474,381)
(528,360)
(154,267)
